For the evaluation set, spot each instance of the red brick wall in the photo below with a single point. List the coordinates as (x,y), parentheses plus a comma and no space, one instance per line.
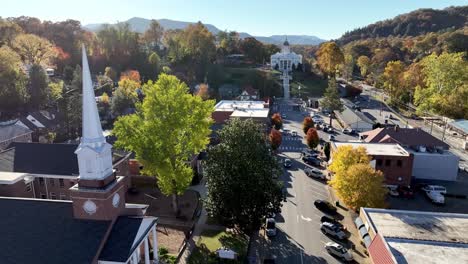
(53,186)
(16,190)
(220,117)
(394,171)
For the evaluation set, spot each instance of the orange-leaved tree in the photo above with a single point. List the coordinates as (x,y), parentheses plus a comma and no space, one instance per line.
(307,123)
(312,138)
(275,139)
(277,121)
(131,75)
(203,91)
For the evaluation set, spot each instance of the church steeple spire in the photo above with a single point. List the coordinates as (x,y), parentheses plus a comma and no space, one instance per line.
(94,153)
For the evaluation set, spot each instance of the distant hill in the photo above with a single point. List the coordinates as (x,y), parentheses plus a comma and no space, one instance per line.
(415,23)
(139,24)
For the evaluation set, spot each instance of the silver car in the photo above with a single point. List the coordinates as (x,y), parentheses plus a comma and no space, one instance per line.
(314,173)
(338,251)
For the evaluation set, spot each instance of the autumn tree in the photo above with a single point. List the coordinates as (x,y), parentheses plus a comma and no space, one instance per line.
(242,179)
(312,138)
(153,34)
(307,123)
(131,75)
(329,58)
(8,31)
(277,121)
(393,81)
(275,139)
(446,91)
(331,99)
(356,183)
(110,73)
(34,49)
(168,128)
(203,91)
(363,62)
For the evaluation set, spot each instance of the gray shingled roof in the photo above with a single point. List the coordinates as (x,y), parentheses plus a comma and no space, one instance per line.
(39,231)
(119,244)
(14,130)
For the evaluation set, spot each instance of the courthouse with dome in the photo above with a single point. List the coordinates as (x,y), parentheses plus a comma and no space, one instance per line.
(96,225)
(285,61)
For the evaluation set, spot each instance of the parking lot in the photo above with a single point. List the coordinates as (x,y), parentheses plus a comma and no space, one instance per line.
(421,203)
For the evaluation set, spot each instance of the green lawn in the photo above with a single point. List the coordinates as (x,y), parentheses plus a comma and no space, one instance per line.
(211,240)
(311,85)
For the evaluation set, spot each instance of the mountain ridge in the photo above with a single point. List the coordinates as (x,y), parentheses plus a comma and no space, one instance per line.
(139,24)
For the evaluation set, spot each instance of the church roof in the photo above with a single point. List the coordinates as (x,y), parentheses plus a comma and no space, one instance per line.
(45,231)
(45,158)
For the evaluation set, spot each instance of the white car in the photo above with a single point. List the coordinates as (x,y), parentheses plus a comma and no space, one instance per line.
(347,130)
(435,197)
(332,230)
(338,250)
(435,188)
(270,227)
(314,173)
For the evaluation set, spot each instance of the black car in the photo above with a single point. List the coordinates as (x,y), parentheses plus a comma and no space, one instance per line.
(325,206)
(332,220)
(311,160)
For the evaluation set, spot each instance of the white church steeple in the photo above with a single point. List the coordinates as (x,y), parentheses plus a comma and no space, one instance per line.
(94,153)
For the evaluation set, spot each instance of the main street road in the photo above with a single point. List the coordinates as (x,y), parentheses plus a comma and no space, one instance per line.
(299,239)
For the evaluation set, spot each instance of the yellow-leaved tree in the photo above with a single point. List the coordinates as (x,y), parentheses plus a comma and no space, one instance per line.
(356,183)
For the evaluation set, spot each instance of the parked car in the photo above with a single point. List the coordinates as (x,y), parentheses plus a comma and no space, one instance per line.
(314,173)
(405,191)
(434,188)
(311,160)
(286,132)
(270,227)
(294,133)
(325,206)
(287,163)
(309,153)
(347,130)
(332,230)
(392,191)
(435,197)
(331,137)
(332,220)
(283,116)
(338,251)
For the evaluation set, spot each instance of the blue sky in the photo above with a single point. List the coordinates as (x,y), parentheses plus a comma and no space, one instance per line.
(325,19)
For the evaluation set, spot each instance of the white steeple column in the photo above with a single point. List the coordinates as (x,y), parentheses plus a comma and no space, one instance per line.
(155,245)
(94,153)
(147,258)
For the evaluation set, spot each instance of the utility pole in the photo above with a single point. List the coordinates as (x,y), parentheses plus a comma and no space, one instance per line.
(445,128)
(432,124)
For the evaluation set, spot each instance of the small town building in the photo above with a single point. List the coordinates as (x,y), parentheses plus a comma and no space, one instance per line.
(257,110)
(431,158)
(248,94)
(355,120)
(40,122)
(413,237)
(13,131)
(96,226)
(393,160)
(285,61)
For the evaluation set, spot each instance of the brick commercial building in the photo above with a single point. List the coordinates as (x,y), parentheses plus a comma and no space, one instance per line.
(431,158)
(410,237)
(96,226)
(393,160)
(257,110)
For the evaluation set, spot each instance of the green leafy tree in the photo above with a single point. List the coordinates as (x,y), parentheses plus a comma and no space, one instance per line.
(38,87)
(326,150)
(331,99)
(393,81)
(446,91)
(110,73)
(13,84)
(34,49)
(124,97)
(8,31)
(170,126)
(155,62)
(242,178)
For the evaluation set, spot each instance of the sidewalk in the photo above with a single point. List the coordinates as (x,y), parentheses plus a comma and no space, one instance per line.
(348,221)
(200,225)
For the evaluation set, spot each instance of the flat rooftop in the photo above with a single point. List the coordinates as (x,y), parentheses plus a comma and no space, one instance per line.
(228,105)
(7,177)
(251,113)
(422,237)
(377,149)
